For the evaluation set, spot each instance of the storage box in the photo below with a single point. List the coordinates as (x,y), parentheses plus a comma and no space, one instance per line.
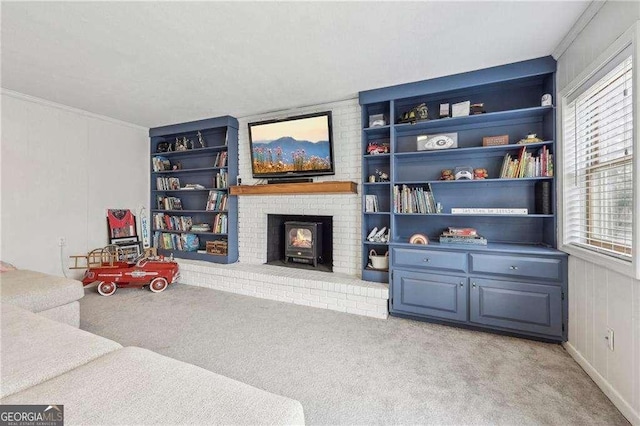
(495,140)
(218,248)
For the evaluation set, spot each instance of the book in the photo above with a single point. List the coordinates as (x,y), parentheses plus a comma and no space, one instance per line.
(371,203)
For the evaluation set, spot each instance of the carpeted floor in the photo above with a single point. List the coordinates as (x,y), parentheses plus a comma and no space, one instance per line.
(347,369)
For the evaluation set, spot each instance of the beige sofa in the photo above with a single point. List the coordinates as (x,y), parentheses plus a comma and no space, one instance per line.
(100,382)
(50,296)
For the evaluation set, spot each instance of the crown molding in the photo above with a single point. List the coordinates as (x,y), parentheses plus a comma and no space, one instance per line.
(78,111)
(584,19)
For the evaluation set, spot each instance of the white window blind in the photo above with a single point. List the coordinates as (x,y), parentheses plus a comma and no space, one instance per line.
(598,161)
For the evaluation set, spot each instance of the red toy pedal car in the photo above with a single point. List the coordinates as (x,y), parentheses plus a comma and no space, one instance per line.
(104,266)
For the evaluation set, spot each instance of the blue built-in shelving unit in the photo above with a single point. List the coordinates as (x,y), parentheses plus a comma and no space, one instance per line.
(198,167)
(516,284)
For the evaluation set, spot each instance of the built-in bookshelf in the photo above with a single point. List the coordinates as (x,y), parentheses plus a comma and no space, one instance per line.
(510,200)
(192,166)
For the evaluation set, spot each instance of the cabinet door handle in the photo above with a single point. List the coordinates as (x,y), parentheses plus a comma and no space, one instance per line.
(473,285)
(461,283)
(426,259)
(513,268)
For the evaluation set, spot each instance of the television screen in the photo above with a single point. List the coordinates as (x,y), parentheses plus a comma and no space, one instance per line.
(296,146)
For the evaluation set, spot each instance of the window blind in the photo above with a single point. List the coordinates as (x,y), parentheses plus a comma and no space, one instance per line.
(598,162)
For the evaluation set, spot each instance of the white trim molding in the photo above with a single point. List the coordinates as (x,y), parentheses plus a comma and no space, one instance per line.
(79,111)
(584,19)
(631,37)
(604,385)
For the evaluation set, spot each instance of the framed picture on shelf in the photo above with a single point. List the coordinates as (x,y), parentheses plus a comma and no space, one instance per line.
(129,251)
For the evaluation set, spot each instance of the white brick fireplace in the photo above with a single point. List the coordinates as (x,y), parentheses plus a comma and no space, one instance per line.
(345,208)
(341,290)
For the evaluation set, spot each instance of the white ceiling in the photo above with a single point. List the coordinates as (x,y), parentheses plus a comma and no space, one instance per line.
(156,63)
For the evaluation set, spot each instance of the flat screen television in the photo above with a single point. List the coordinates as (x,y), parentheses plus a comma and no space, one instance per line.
(297,146)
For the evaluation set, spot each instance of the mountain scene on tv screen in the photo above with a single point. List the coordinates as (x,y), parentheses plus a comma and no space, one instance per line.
(287,154)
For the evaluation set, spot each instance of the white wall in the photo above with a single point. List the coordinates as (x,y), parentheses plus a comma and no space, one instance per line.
(61,169)
(600,298)
(345,208)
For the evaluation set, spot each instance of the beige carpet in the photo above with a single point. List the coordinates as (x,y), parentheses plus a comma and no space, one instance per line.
(347,369)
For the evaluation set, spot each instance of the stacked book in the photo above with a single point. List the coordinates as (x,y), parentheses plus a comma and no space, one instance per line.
(413,200)
(167,184)
(221,181)
(220,224)
(161,164)
(201,227)
(455,235)
(221,159)
(217,201)
(169,203)
(371,204)
(184,242)
(526,165)
(173,223)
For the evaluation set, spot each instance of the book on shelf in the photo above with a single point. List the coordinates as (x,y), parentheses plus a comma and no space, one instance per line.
(221,159)
(455,235)
(526,165)
(217,201)
(161,164)
(220,223)
(182,242)
(413,200)
(167,183)
(476,210)
(172,223)
(201,227)
(221,179)
(168,203)
(371,204)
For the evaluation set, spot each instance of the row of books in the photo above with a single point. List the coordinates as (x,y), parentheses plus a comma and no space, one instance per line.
(221,159)
(167,184)
(371,203)
(454,235)
(184,242)
(413,200)
(169,203)
(217,201)
(221,180)
(220,224)
(526,165)
(173,223)
(161,164)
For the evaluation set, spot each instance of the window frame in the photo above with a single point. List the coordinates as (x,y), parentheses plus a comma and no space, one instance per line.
(631,267)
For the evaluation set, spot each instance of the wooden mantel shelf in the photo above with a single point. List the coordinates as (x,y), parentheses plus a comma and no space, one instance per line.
(340,187)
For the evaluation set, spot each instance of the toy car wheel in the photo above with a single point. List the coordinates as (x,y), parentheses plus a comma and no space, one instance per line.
(107,288)
(158,285)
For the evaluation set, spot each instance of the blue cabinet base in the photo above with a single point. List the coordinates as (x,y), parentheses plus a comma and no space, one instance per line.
(469,326)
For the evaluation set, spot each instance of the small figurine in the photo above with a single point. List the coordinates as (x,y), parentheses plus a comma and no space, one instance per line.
(415,114)
(201,140)
(374,148)
(531,138)
(447,174)
(480,174)
(382,176)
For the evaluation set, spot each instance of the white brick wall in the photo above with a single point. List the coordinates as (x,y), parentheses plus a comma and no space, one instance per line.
(345,208)
(337,292)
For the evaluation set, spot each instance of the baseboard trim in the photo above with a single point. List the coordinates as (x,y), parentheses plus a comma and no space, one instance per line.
(622,405)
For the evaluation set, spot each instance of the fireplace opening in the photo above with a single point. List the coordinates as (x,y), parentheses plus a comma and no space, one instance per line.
(300,241)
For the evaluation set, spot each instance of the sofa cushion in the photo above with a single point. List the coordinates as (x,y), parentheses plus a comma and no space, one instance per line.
(137,386)
(36,291)
(34,349)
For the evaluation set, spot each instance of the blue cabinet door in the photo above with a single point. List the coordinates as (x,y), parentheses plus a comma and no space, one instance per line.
(534,308)
(441,296)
